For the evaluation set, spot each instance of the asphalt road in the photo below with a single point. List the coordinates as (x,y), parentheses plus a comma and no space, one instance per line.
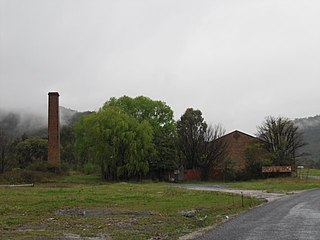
(293,217)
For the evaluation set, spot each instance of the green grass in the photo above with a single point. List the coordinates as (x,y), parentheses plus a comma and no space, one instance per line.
(278,184)
(309,172)
(30,213)
(82,179)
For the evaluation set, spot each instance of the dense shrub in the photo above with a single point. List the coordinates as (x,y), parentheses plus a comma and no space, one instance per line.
(20,176)
(42,166)
(90,168)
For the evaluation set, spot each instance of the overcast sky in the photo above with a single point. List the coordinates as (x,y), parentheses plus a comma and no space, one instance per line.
(236,61)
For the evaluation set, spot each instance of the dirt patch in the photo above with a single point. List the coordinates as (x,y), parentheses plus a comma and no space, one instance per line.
(90,212)
(260,194)
(70,236)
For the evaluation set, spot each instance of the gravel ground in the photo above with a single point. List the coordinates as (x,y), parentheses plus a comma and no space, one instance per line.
(260,194)
(296,217)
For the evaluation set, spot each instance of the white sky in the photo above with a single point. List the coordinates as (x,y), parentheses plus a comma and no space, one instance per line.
(236,61)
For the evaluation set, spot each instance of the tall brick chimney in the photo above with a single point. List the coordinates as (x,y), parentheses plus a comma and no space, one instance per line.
(53,130)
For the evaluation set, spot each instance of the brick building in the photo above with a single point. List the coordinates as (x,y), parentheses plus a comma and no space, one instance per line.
(237,144)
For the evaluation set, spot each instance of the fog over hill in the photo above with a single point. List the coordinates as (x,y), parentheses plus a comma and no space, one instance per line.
(310,128)
(66,115)
(310,122)
(18,123)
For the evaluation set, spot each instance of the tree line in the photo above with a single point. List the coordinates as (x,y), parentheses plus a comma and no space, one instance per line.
(134,138)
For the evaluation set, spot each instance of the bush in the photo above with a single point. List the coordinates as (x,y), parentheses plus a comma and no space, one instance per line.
(42,166)
(90,168)
(234,174)
(19,176)
(54,169)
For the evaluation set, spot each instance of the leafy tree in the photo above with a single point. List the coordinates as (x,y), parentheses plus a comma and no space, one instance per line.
(31,150)
(230,171)
(157,113)
(160,117)
(191,131)
(6,159)
(201,145)
(256,158)
(119,143)
(282,139)
(9,124)
(212,149)
(67,140)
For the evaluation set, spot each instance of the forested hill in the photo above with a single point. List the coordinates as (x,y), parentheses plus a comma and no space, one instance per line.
(15,124)
(310,127)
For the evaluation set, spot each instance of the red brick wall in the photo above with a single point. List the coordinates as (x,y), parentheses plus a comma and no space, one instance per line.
(53,129)
(192,174)
(195,175)
(238,142)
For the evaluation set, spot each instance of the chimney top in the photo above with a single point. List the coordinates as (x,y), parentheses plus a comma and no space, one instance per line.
(53,93)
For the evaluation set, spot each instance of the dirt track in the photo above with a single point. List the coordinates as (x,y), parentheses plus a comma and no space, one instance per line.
(260,194)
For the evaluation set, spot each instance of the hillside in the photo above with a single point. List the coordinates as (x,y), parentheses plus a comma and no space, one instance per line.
(16,124)
(310,128)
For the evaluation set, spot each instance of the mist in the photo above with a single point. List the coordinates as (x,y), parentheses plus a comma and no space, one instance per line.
(310,122)
(236,61)
(21,122)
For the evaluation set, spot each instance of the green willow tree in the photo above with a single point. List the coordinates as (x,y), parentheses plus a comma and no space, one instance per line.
(67,141)
(119,143)
(160,117)
(282,139)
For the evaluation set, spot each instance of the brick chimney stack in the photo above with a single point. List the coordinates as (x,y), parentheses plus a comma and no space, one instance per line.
(53,130)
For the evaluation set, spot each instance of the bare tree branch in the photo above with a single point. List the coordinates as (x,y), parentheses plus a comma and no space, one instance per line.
(283,139)
(213,149)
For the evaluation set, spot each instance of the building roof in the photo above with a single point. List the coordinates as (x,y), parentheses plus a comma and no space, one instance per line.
(238,132)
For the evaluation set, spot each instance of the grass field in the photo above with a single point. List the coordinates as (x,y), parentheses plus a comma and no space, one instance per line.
(309,172)
(84,206)
(278,184)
